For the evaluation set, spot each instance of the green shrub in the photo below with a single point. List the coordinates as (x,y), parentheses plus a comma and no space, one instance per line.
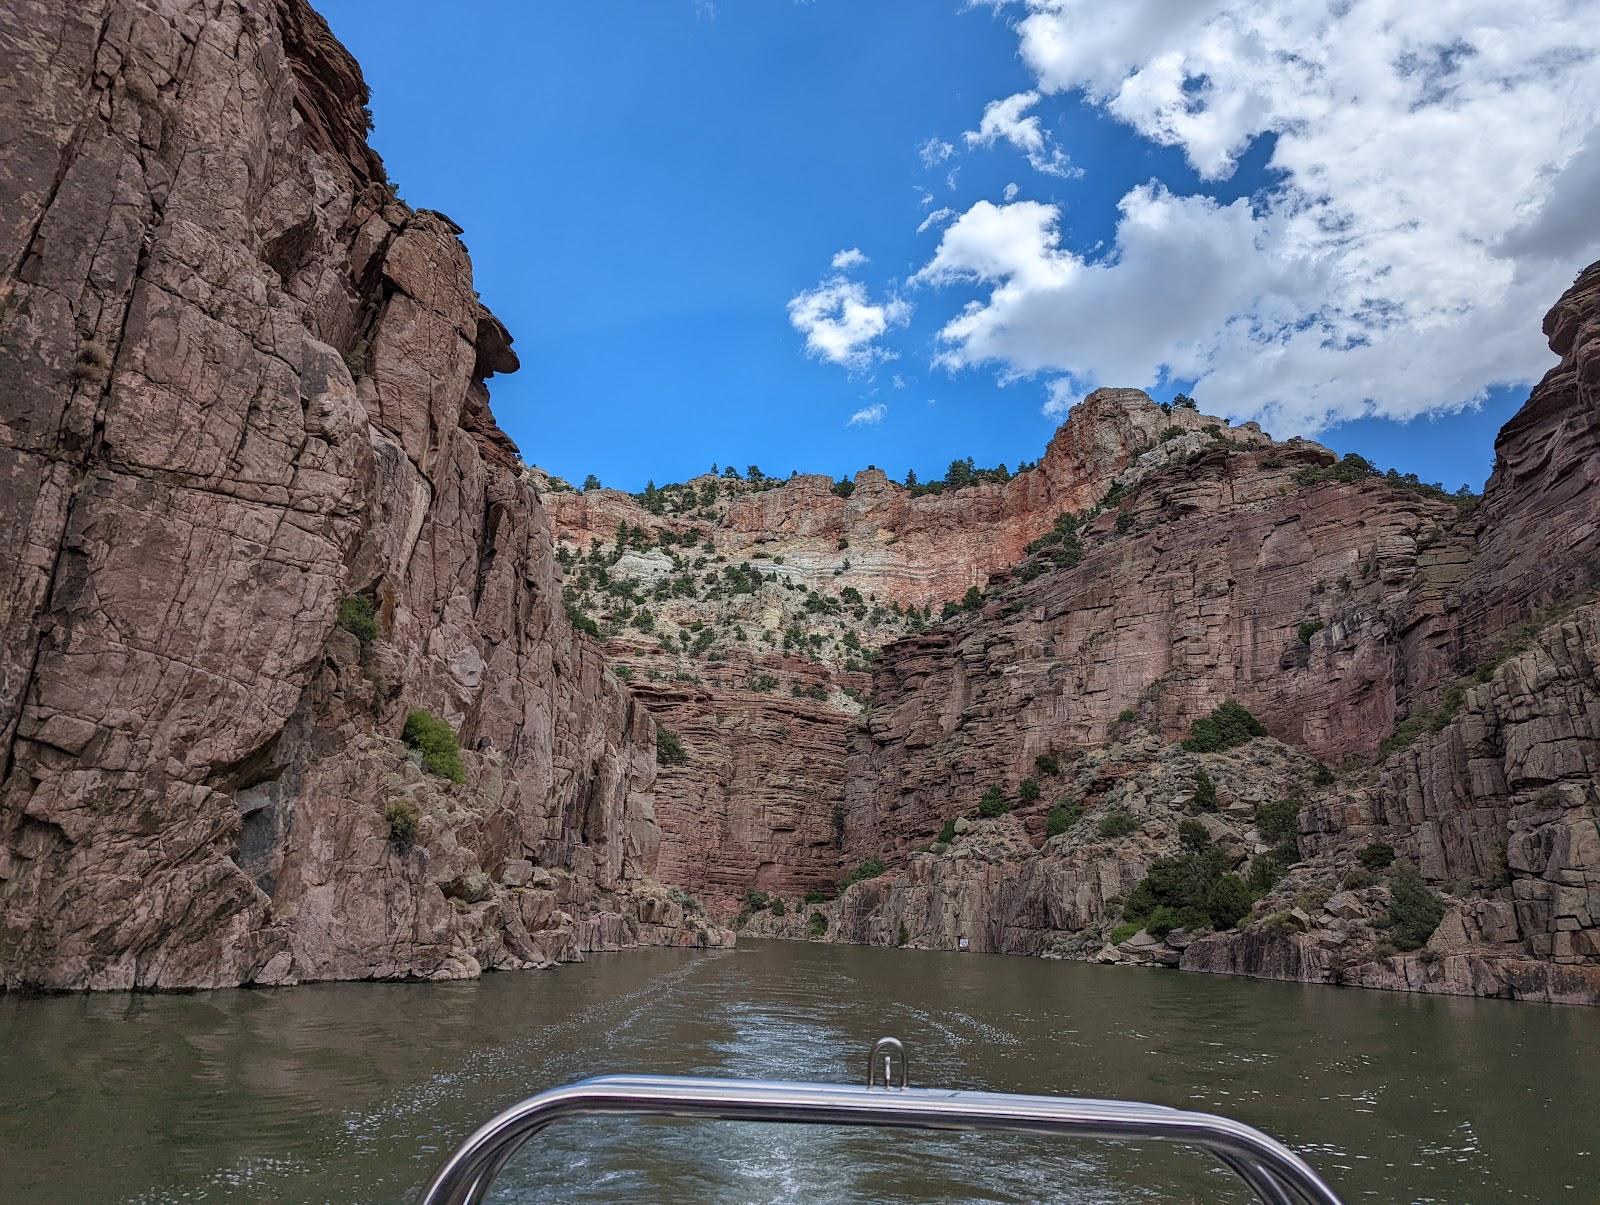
(1122,932)
(357,617)
(904,936)
(669,748)
(870,869)
(1062,817)
(1117,822)
(1322,776)
(1229,725)
(778,907)
(404,820)
(1377,855)
(993,804)
(1193,835)
(1266,872)
(1029,790)
(947,833)
(1308,629)
(436,741)
(1278,823)
(1414,910)
(818,924)
(1047,763)
(1205,793)
(1127,715)
(1358,878)
(1228,901)
(816,897)
(756,901)
(579,620)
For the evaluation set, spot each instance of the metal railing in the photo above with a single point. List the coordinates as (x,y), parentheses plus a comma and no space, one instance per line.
(1275,1173)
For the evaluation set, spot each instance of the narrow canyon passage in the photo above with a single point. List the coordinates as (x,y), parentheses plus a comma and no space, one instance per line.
(354,1091)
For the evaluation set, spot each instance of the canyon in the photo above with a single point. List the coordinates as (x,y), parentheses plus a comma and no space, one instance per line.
(309,674)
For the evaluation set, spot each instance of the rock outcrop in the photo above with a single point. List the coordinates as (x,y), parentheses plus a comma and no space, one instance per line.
(241,394)
(1444,655)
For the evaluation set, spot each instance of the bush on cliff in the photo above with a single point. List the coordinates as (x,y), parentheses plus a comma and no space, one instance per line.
(1062,817)
(1122,932)
(1377,855)
(1205,793)
(357,616)
(403,819)
(669,748)
(1414,910)
(1279,822)
(1308,629)
(816,897)
(436,741)
(870,869)
(993,804)
(947,833)
(779,908)
(1117,822)
(1226,727)
(1228,902)
(1028,792)
(818,924)
(1047,764)
(1193,835)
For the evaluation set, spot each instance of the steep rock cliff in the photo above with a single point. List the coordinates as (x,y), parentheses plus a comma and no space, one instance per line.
(243,384)
(1445,656)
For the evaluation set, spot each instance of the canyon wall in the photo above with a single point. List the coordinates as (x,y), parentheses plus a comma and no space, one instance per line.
(1442,656)
(242,395)
(760,675)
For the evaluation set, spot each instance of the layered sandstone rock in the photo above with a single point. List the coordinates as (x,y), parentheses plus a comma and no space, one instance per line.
(1193,592)
(242,384)
(746,612)
(1340,612)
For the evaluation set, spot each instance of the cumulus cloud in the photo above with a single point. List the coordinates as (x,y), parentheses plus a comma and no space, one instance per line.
(852,257)
(842,324)
(1061,395)
(868,416)
(1005,120)
(934,151)
(1432,193)
(1011,191)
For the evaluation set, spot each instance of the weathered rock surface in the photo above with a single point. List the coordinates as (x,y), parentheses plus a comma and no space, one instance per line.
(240,383)
(766,598)
(1340,612)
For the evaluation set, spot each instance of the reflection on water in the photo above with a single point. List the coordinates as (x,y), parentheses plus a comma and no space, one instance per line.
(353,1092)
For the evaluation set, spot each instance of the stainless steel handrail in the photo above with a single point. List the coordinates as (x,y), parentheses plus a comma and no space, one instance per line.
(1275,1173)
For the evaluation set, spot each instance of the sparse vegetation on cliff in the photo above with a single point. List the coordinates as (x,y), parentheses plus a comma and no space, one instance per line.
(993,803)
(1414,910)
(437,742)
(1229,725)
(669,748)
(357,617)
(404,820)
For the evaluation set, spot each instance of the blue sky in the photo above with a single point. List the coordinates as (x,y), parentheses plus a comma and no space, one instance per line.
(646,186)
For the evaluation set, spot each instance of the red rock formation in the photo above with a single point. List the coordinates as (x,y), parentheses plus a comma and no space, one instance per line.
(242,383)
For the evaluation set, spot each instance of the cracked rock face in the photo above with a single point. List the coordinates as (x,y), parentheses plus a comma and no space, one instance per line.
(1453,654)
(239,384)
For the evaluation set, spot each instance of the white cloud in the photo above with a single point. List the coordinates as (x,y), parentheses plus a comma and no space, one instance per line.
(1011,191)
(842,324)
(950,177)
(1061,395)
(843,261)
(869,416)
(897,381)
(924,197)
(943,214)
(1003,119)
(1433,194)
(934,151)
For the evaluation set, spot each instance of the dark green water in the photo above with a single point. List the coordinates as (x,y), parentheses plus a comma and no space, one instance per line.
(352,1092)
